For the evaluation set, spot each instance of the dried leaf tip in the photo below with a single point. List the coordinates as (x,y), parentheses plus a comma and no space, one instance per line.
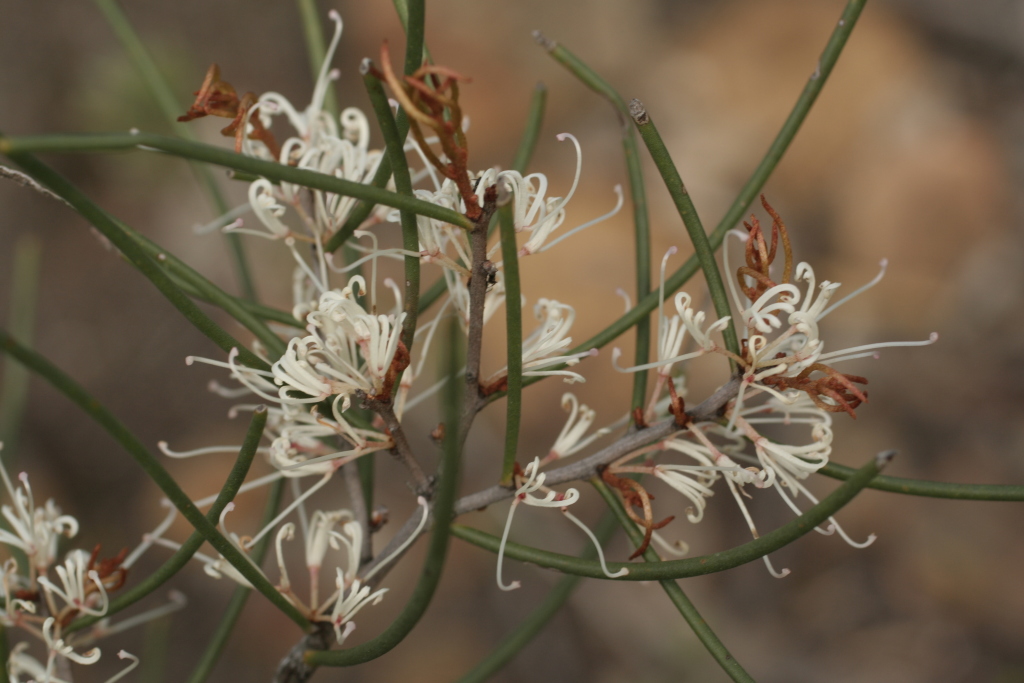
(884,458)
(544,41)
(638,112)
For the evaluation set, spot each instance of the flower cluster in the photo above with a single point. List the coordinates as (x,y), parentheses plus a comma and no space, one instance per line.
(43,596)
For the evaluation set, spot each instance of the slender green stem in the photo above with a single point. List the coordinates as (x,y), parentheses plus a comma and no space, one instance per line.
(688,212)
(241,594)
(110,142)
(261,311)
(641,221)
(21,321)
(403,183)
(163,93)
(155,637)
(514,333)
(750,190)
(181,556)
(209,291)
(5,649)
(675,593)
(137,256)
(316,48)
(531,132)
(694,566)
(437,550)
(931,489)
(160,476)
(540,616)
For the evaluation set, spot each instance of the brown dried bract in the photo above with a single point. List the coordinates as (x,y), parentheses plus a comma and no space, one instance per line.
(634,495)
(835,385)
(217,97)
(430,97)
(760,255)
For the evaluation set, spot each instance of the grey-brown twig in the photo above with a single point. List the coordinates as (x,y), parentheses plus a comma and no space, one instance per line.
(402,451)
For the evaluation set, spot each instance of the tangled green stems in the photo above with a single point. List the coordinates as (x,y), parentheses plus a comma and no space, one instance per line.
(160,476)
(694,566)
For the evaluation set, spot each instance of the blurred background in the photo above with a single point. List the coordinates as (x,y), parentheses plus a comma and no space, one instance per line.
(914,152)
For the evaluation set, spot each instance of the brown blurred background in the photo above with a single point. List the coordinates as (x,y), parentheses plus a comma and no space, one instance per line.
(914,152)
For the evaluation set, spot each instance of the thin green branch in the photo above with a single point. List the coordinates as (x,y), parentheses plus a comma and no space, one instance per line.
(136,255)
(160,476)
(208,291)
(261,311)
(641,220)
(703,250)
(403,183)
(749,192)
(21,321)
(165,98)
(111,142)
(931,489)
(514,334)
(540,616)
(183,554)
(675,593)
(437,550)
(694,566)
(531,131)
(240,595)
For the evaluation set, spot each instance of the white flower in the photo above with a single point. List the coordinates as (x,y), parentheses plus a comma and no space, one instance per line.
(351,599)
(34,530)
(571,440)
(532,481)
(552,337)
(75,576)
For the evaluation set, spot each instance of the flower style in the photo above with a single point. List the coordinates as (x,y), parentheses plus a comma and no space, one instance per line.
(571,440)
(532,480)
(552,338)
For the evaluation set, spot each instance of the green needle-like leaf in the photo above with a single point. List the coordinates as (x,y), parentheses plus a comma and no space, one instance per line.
(931,489)
(111,142)
(531,132)
(688,212)
(172,109)
(514,333)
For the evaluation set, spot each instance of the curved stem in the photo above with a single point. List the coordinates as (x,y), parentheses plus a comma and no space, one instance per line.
(694,566)
(931,489)
(675,593)
(110,142)
(137,256)
(539,617)
(165,98)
